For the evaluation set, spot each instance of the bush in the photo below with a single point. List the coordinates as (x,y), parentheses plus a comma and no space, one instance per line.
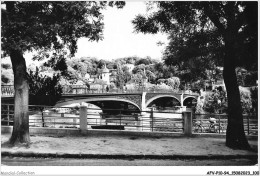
(174,82)
(44,90)
(162,87)
(216,102)
(246,101)
(199,106)
(254,99)
(112,85)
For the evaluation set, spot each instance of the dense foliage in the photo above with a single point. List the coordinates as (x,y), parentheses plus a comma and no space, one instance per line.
(6,74)
(246,100)
(44,90)
(205,32)
(216,102)
(49,27)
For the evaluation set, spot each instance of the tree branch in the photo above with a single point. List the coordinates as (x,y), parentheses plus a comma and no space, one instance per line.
(213,17)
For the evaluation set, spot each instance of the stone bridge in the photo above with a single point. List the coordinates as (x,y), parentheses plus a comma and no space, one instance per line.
(140,100)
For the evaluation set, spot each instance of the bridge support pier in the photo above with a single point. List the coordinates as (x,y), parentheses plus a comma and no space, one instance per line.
(83,118)
(182,100)
(187,117)
(143,107)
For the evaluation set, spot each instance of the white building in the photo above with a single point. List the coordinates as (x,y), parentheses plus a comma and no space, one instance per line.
(105,75)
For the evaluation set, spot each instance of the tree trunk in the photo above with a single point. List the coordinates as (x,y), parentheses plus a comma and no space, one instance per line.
(235,135)
(20,132)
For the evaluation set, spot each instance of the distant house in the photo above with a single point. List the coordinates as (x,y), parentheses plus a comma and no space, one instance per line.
(104,77)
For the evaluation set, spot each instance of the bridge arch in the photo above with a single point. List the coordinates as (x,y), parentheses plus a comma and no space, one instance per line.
(187,99)
(71,101)
(160,96)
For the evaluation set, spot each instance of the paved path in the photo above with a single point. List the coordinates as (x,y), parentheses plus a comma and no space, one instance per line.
(22,161)
(127,146)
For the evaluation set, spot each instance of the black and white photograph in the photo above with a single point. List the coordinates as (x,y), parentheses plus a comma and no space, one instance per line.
(144,87)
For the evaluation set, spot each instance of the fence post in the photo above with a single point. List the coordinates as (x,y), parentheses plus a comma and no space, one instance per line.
(8,119)
(120,117)
(187,117)
(83,118)
(74,122)
(138,124)
(151,116)
(219,124)
(248,126)
(43,124)
(182,100)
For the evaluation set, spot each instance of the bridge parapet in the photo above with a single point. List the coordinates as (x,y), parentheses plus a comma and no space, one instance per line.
(139,98)
(7,90)
(83,89)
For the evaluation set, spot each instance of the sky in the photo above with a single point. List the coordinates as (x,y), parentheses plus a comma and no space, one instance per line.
(120,40)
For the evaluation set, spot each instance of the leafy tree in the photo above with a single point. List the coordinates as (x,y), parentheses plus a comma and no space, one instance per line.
(254,97)
(77,68)
(216,102)
(6,74)
(112,85)
(102,84)
(241,76)
(43,26)
(150,75)
(126,60)
(246,101)
(193,58)
(127,74)
(138,80)
(245,77)
(138,69)
(101,63)
(199,107)
(146,61)
(112,65)
(44,90)
(162,87)
(120,80)
(251,78)
(235,26)
(163,71)
(6,66)
(130,60)
(174,82)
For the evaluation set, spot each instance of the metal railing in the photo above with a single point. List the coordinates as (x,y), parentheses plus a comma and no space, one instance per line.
(217,123)
(43,116)
(83,89)
(124,119)
(8,90)
(144,121)
(121,119)
(7,114)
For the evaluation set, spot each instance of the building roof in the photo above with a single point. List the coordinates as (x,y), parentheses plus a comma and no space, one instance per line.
(105,70)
